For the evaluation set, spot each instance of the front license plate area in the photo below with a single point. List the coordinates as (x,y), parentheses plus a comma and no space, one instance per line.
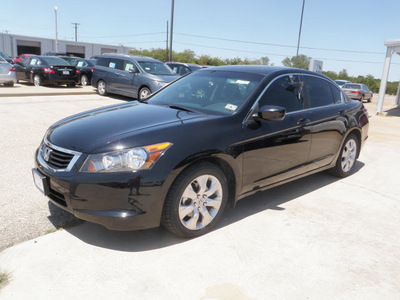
(40,181)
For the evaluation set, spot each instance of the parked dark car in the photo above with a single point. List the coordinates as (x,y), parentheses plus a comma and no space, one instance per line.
(132,76)
(46,70)
(207,140)
(358,91)
(85,69)
(183,68)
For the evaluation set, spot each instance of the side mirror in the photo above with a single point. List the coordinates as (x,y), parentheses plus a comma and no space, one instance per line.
(270,113)
(133,70)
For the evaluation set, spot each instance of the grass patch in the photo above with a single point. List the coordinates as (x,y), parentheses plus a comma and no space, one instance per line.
(64,225)
(4,278)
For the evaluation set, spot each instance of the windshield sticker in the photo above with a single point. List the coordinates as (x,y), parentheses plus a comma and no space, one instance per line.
(231,107)
(242,82)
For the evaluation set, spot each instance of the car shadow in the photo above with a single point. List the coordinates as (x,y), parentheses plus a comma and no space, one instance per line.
(155,238)
(393,112)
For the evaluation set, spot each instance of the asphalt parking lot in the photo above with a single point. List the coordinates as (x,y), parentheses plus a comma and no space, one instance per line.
(317,237)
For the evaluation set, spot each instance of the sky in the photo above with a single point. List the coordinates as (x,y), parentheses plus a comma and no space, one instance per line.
(344,34)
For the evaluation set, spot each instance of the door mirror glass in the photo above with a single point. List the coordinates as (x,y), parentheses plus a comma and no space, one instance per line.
(271,113)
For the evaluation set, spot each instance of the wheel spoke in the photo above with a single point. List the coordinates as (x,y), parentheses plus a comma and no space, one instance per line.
(189,193)
(214,187)
(185,210)
(215,202)
(202,181)
(192,223)
(206,217)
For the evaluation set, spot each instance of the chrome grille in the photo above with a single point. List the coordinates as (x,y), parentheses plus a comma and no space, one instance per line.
(56,158)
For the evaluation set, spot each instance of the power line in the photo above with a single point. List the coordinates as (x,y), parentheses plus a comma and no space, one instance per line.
(119,36)
(264,53)
(276,45)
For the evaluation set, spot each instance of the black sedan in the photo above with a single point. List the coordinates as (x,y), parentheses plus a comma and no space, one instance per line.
(85,69)
(41,70)
(197,145)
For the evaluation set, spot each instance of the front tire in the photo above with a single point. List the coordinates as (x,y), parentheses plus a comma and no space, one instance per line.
(37,81)
(347,158)
(102,88)
(195,201)
(71,84)
(144,93)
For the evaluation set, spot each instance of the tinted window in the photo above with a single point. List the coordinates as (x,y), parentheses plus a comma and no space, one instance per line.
(54,61)
(319,91)
(284,92)
(116,63)
(336,93)
(103,61)
(352,86)
(129,65)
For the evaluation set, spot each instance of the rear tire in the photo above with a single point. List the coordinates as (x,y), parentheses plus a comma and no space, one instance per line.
(9,84)
(71,84)
(37,80)
(347,157)
(195,201)
(101,88)
(84,80)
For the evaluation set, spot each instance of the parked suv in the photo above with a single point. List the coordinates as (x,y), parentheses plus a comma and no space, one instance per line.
(132,76)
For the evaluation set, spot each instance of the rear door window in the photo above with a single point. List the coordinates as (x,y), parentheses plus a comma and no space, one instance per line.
(319,92)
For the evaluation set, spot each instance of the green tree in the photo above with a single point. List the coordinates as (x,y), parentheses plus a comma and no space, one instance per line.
(301,62)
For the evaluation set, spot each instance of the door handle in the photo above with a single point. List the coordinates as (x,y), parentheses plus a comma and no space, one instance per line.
(302,121)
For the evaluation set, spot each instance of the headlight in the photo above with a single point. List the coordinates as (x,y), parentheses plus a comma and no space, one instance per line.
(159,83)
(126,160)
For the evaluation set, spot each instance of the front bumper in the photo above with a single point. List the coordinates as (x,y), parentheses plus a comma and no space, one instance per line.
(118,201)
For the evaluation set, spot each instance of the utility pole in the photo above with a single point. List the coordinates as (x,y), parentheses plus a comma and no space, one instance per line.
(166,48)
(55,14)
(172,31)
(76,30)
(301,25)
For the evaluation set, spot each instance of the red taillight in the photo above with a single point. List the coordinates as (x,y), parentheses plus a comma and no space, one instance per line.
(366,112)
(355,92)
(92,69)
(77,72)
(48,70)
(12,69)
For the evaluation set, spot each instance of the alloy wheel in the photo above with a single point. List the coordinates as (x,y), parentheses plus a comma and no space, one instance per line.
(349,155)
(200,202)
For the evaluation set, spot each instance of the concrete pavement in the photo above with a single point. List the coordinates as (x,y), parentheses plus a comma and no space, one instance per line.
(315,238)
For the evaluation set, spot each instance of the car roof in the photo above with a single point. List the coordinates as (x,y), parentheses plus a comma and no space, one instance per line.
(183,64)
(263,70)
(137,58)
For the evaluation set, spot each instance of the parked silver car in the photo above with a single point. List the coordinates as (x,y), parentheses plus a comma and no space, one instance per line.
(358,91)
(7,73)
(341,82)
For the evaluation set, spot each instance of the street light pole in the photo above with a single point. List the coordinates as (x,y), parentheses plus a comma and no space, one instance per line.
(301,25)
(172,30)
(55,13)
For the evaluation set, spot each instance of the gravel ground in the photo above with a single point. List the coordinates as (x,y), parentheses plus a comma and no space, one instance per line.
(24,212)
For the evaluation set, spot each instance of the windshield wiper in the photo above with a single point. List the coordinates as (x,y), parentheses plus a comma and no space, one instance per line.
(179,108)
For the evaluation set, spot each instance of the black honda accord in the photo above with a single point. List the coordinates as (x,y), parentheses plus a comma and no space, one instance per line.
(204,142)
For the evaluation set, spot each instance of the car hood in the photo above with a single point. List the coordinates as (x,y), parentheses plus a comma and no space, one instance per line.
(164,78)
(96,130)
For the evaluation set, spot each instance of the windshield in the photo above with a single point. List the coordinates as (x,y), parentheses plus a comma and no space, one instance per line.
(54,61)
(212,92)
(156,68)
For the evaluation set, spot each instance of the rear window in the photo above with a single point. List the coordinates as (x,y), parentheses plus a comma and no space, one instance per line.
(54,61)
(352,86)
